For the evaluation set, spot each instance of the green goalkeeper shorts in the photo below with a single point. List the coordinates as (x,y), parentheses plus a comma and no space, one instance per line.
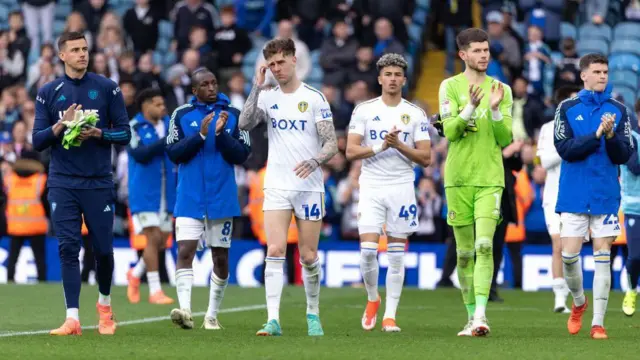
(469,203)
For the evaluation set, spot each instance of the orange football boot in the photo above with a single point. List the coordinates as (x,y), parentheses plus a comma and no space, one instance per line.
(71,326)
(159,298)
(598,333)
(575,319)
(370,315)
(133,289)
(106,324)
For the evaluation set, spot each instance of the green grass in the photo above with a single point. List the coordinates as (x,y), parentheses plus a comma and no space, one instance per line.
(523,328)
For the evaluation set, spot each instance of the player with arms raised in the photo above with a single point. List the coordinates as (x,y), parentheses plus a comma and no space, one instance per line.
(389,134)
(476,117)
(301,138)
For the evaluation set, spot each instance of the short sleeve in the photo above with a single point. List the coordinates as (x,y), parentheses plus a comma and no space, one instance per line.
(322,111)
(421,128)
(357,124)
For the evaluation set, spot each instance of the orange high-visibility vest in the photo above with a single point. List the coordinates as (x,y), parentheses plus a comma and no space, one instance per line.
(25,211)
(524,198)
(256,215)
(139,241)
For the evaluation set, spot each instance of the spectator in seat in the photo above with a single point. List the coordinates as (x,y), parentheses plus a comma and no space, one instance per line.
(9,111)
(126,66)
(29,116)
(429,208)
(141,25)
(455,16)
(528,111)
(256,16)
(338,55)
(596,11)
(39,15)
(631,10)
(348,196)
(148,75)
(19,136)
(18,39)
(309,16)
(398,12)
(188,13)
(175,92)
(232,43)
(364,69)
(303,59)
(111,42)
(76,23)
(568,70)
(128,89)
(547,15)
(385,40)
(510,16)
(47,54)
(191,60)
(236,90)
(537,57)
(11,62)
(93,11)
(47,74)
(101,66)
(510,56)
(351,11)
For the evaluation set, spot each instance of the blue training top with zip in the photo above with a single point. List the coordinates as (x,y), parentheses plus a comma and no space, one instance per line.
(148,165)
(89,165)
(206,176)
(589,172)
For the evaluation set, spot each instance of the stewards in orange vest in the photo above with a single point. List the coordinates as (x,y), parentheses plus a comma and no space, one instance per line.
(256,215)
(26,216)
(516,232)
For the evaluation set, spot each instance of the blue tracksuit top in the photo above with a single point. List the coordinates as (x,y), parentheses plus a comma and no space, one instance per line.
(206,177)
(148,164)
(87,166)
(589,173)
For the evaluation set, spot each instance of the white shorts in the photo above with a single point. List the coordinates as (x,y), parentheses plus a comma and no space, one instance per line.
(393,205)
(578,225)
(306,205)
(144,220)
(552,220)
(213,233)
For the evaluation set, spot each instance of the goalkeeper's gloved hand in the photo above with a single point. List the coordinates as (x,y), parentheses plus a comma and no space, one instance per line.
(436,122)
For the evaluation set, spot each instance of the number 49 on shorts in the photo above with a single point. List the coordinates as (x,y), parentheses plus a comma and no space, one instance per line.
(406,210)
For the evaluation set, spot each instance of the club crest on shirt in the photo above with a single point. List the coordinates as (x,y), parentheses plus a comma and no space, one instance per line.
(405,119)
(452,215)
(303,106)
(93,94)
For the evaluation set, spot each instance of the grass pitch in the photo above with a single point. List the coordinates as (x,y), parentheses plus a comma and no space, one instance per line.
(522,328)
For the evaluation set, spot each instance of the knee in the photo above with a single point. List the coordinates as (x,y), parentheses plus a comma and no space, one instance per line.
(220,258)
(484,247)
(276,250)
(186,253)
(464,257)
(69,251)
(308,256)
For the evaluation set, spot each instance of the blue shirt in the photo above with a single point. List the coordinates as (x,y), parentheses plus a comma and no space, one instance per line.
(87,166)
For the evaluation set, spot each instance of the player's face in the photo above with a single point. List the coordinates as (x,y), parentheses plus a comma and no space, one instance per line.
(595,77)
(158,107)
(206,89)
(75,54)
(476,56)
(392,79)
(282,67)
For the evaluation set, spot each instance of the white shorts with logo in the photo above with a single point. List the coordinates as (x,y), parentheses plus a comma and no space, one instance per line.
(552,219)
(578,225)
(306,205)
(393,205)
(213,233)
(144,220)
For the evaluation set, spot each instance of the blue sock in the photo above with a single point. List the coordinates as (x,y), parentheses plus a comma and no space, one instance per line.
(70,276)
(104,265)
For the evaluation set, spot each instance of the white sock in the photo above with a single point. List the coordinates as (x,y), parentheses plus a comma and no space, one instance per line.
(73,313)
(572,268)
(216,293)
(601,285)
(273,283)
(104,299)
(139,269)
(395,278)
(560,291)
(184,282)
(369,268)
(153,277)
(311,278)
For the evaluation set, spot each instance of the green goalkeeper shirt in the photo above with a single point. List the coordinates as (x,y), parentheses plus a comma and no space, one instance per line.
(475,146)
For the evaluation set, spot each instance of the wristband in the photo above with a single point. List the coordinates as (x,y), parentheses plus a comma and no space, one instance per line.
(376,148)
(202,136)
(467,112)
(496,115)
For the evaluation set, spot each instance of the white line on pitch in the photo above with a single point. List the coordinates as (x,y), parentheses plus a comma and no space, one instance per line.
(137,321)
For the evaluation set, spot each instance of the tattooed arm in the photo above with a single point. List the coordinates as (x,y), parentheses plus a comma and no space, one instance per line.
(251,114)
(327,134)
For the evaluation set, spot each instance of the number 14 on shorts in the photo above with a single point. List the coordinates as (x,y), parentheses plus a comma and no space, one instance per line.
(311,211)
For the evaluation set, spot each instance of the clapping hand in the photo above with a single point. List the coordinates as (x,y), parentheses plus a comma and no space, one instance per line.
(475,95)
(391,139)
(222,121)
(497,94)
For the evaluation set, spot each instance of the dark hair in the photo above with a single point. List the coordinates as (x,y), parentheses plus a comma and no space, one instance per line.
(195,28)
(285,46)
(69,36)
(146,95)
(637,107)
(564,92)
(127,79)
(228,9)
(16,12)
(196,74)
(593,58)
(468,36)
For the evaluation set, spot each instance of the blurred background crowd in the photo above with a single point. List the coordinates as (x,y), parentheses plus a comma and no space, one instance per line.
(535,46)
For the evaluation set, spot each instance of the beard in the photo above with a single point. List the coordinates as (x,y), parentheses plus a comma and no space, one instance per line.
(475,67)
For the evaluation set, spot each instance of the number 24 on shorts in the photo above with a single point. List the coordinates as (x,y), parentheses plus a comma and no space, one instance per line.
(404,213)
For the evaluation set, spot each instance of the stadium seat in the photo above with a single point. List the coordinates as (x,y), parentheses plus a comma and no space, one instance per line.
(62,11)
(415,32)
(627,94)
(58,27)
(251,57)
(258,41)
(626,78)
(595,32)
(409,59)
(316,74)
(624,62)
(423,4)
(163,45)
(568,30)
(626,47)
(158,58)
(556,57)
(166,29)
(64,2)
(4,13)
(627,30)
(521,29)
(248,72)
(315,57)
(420,16)
(590,46)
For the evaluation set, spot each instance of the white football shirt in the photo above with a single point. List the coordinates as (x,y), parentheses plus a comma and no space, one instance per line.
(293,136)
(373,120)
(551,161)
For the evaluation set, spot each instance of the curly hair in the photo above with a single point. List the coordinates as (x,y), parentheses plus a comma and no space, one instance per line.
(285,46)
(392,59)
